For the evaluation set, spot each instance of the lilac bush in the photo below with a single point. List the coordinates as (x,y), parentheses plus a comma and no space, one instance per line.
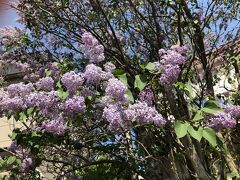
(123,90)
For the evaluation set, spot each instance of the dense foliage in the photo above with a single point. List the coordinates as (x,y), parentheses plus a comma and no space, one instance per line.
(123,89)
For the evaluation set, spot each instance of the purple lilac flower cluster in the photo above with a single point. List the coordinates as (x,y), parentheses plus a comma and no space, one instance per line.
(45,101)
(170,64)
(27,161)
(87,92)
(114,115)
(226,119)
(143,113)
(19,89)
(31,77)
(93,74)
(91,48)
(26,164)
(72,81)
(75,104)
(234,110)
(109,67)
(12,104)
(46,84)
(55,126)
(147,96)
(115,88)
(114,103)
(222,120)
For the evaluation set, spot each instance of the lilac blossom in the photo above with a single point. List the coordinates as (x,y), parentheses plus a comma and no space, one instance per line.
(31,77)
(75,104)
(87,92)
(105,76)
(114,115)
(170,61)
(147,96)
(143,113)
(92,74)
(115,88)
(26,164)
(234,110)
(180,49)
(106,101)
(46,84)
(109,67)
(21,66)
(13,104)
(72,82)
(170,75)
(157,66)
(20,89)
(54,69)
(32,100)
(221,120)
(55,126)
(47,102)
(91,48)
(13,147)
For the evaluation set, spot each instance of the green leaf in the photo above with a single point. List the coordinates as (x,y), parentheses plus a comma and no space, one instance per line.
(59,84)
(117,72)
(130,96)
(11,160)
(35,134)
(48,72)
(180,85)
(123,78)
(198,116)
(62,94)
(150,66)
(14,135)
(189,90)
(18,161)
(195,132)
(210,135)
(181,129)
(30,110)
(231,175)
(211,107)
(140,82)
(22,117)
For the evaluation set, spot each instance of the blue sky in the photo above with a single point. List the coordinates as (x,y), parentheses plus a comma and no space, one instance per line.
(8,16)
